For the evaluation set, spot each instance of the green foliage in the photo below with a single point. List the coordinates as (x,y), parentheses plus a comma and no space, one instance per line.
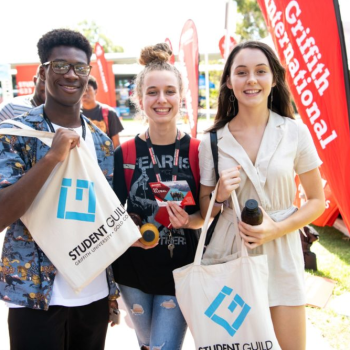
(94,33)
(252,25)
(214,77)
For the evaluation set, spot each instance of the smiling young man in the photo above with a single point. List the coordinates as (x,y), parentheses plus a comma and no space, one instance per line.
(44,312)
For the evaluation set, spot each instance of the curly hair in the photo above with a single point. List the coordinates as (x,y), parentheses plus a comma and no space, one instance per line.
(62,37)
(154,57)
(281,103)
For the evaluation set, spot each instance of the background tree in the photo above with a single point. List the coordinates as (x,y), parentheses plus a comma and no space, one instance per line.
(94,33)
(252,24)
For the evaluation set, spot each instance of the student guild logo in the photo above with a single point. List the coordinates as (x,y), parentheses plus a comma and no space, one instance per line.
(84,190)
(234,307)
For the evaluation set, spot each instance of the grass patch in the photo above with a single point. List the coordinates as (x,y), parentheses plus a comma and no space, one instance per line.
(333,261)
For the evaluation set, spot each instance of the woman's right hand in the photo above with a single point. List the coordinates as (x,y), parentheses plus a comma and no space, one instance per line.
(228,182)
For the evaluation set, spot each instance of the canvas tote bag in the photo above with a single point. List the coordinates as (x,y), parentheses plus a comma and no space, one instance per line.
(76,218)
(225,301)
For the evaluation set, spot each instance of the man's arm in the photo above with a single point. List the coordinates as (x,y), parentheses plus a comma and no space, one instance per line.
(115,127)
(115,140)
(17,198)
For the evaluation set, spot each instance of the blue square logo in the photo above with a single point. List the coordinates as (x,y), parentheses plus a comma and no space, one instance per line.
(236,303)
(84,191)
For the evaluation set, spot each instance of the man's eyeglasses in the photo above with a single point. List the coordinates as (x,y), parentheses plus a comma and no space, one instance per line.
(63,67)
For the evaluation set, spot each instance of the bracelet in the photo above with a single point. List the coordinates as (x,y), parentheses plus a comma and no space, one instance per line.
(216,203)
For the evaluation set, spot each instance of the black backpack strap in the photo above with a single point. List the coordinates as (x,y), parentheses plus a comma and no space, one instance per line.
(215,152)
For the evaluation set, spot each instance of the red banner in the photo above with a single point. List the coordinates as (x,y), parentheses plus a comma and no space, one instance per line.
(24,79)
(188,57)
(222,46)
(331,212)
(102,71)
(172,58)
(310,43)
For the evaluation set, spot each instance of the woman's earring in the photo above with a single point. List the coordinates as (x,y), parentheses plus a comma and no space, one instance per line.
(232,100)
(271,96)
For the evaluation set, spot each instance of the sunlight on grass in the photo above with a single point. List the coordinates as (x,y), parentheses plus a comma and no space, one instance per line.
(333,262)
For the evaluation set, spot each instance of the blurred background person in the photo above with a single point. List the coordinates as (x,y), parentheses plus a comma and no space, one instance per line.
(103,116)
(21,104)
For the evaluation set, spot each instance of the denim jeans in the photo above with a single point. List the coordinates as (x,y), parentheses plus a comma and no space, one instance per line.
(157,319)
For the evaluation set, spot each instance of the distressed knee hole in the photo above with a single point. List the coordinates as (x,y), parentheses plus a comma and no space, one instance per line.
(137,309)
(158,347)
(170,304)
(144,347)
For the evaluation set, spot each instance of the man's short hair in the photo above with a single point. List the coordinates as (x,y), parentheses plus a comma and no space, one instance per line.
(62,37)
(92,81)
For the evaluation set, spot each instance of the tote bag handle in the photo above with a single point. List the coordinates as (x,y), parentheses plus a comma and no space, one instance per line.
(236,218)
(25,130)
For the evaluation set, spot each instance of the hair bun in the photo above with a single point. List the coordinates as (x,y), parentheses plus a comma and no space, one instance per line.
(159,52)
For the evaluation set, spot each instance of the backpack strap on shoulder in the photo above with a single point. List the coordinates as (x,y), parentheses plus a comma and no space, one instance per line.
(215,152)
(194,160)
(129,161)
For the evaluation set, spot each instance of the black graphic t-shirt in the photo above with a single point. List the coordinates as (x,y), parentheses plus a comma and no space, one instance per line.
(95,115)
(151,270)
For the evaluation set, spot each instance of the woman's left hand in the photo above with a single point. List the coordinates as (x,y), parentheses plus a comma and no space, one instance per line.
(255,236)
(178,216)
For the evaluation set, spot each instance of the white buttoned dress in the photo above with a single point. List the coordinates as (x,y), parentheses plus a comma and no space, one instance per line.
(286,148)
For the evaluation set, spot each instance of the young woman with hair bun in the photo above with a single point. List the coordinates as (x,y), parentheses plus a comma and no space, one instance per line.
(144,274)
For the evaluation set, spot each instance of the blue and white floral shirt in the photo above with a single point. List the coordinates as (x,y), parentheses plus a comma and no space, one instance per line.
(26,273)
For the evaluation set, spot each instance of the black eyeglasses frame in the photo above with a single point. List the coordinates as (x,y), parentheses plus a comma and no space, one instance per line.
(71,65)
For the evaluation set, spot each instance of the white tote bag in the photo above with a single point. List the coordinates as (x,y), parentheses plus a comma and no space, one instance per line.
(225,301)
(76,218)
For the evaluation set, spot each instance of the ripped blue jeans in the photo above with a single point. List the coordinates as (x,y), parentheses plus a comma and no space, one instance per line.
(157,319)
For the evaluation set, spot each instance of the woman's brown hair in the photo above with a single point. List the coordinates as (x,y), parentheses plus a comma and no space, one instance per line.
(281,103)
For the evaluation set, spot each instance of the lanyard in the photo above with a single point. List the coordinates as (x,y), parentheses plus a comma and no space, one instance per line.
(53,130)
(154,158)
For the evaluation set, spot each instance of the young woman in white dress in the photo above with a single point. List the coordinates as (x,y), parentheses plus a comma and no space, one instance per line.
(261,147)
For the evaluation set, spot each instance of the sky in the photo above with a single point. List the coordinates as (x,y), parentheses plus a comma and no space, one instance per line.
(131,24)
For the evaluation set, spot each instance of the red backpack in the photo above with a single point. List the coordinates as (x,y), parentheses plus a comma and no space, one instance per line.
(129,160)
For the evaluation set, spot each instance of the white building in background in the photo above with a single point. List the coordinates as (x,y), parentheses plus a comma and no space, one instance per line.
(125,68)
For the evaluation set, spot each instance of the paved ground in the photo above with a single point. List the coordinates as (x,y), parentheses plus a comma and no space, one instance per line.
(122,337)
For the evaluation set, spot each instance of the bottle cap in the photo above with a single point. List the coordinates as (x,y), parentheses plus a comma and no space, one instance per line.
(148,236)
(251,204)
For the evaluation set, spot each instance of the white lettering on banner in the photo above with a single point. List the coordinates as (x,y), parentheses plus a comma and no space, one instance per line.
(103,77)
(186,83)
(25,87)
(187,37)
(99,53)
(316,71)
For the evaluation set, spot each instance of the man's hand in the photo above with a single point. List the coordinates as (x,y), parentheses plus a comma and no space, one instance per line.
(63,141)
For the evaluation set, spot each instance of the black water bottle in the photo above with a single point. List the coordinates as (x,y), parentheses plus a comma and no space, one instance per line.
(251,213)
